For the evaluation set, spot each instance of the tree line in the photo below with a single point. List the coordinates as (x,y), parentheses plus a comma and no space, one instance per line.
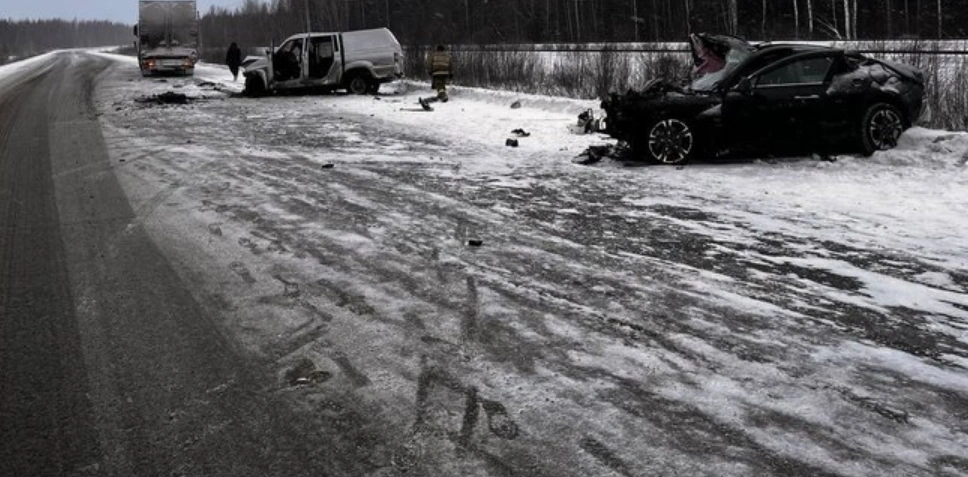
(30,37)
(580,21)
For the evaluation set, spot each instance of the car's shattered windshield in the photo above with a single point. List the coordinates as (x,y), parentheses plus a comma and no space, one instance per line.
(711,80)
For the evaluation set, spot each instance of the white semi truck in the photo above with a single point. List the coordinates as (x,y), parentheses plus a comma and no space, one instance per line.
(167,37)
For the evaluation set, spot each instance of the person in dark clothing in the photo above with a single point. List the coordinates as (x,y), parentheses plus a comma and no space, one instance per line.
(234,59)
(438,66)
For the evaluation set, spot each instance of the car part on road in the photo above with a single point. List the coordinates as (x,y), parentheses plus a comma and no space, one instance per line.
(165,98)
(594,154)
(511,143)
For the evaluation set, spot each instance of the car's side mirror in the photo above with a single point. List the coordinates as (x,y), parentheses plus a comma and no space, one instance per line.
(745,85)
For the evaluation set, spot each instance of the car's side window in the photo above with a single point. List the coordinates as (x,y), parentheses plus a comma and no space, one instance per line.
(809,71)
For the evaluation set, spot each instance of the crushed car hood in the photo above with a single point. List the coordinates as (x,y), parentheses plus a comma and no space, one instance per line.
(254,62)
(709,52)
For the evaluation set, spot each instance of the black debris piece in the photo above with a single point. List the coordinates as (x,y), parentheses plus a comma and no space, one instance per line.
(521,133)
(593,154)
(165,98)
(329,166)
(475,243)
(511,143)
(516,105)
(206,84)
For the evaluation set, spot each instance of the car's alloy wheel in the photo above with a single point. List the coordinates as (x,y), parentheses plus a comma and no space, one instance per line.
(884,128)
(881,127)
(670,141)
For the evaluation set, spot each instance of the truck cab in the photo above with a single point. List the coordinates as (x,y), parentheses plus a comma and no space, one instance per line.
(358,61)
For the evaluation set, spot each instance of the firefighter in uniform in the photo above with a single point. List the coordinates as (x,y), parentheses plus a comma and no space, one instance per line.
(438,66)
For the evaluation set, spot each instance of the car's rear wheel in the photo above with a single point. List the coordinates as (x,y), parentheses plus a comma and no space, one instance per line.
(669,141)
(882,126)
(357,84)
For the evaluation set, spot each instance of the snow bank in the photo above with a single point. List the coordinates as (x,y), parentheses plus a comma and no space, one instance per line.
(17,71)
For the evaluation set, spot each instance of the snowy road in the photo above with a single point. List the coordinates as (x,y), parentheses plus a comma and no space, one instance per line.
(777,318)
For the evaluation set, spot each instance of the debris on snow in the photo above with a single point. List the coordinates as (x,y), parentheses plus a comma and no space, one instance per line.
(305,372)
(516,105)
(521,133)
(475,242)
(165,98)
(329,166)
(594,154)
(588,123)
(511,143)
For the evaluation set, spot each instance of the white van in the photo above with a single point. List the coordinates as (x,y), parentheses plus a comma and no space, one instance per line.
(358,61)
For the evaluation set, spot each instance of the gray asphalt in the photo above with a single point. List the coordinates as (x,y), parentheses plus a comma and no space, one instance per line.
(107,364)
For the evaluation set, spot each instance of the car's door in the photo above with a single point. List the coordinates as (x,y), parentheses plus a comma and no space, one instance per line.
(790,101)
(322,59)
(289,62)
(743,118)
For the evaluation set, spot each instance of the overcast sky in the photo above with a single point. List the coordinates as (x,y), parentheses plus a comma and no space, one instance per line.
(125,11)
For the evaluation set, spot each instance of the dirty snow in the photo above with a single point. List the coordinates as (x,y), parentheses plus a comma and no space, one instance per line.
(779,317)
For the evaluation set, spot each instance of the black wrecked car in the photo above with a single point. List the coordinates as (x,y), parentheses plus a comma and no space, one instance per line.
(776,99)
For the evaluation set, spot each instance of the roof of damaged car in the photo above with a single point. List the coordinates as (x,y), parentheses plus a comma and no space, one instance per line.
(794,46)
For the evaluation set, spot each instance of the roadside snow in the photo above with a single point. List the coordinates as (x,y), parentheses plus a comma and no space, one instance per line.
(783,317)
(15,72)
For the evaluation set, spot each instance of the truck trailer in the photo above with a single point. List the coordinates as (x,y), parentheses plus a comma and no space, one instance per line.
(167,37)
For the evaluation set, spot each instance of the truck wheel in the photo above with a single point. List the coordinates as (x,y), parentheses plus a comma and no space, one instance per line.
(881,127)
(373,88)
(357,84)
(254,87)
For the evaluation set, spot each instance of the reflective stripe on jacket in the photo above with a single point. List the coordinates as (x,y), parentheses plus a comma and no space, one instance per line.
(439,63)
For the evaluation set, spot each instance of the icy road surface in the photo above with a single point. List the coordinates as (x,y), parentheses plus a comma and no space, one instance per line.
(770,318)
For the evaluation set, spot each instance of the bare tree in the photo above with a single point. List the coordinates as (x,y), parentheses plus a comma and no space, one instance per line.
(847,23)
(810,18)
(853,17)
(763,22)
(940,21)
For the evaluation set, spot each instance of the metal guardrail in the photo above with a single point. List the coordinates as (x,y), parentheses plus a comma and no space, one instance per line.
(682,51)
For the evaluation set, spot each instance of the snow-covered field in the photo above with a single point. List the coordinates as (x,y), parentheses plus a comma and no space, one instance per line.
(780,317)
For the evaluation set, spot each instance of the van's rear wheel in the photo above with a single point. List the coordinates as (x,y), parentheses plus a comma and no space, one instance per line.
(358,84)
(373,87)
